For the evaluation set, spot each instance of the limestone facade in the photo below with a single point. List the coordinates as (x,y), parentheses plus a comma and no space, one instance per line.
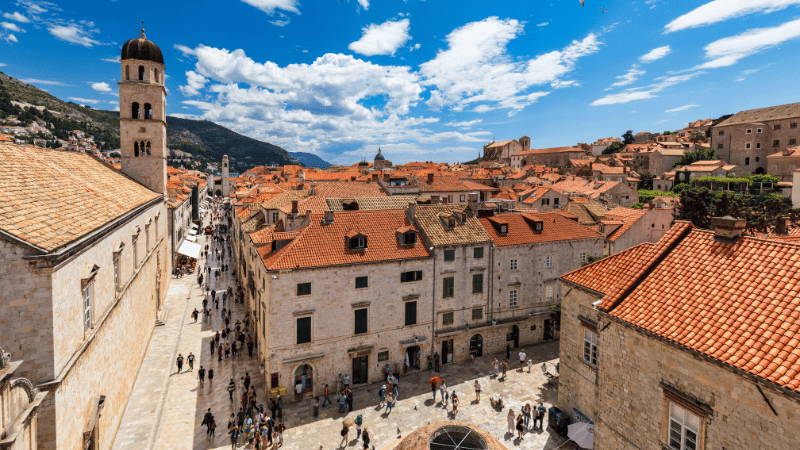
(19,408)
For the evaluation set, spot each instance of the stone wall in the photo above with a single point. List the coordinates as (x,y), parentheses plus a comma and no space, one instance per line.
(735,138)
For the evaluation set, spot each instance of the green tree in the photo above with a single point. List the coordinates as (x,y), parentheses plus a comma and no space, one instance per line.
(695,206)
(699,155)
(646,181)
(616,147)
(697,136)
(627,137)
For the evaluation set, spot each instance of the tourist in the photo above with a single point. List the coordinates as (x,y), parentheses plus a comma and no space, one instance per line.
(522,358)
(365,438)
(477,391)
(359,420)
(519,426)
(195,313)
(202,375)
(435,361)
(246,381)
(530,364)
(526,414)
(190,360)
(389,403)
(443,391)
(298,389)
(211,377)
(433,389)
(496,367)
(326,396)
(280,428)
(455,404)
(504,367)
(345,433)
(339,383)
(231,388)
(211,344)
(381,396)
(315,407)
(180,363)
(349,396)
(234,432)
(511,419)
(540,411)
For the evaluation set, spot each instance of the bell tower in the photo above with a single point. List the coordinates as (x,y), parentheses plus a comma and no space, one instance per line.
(226,177)
(142,114)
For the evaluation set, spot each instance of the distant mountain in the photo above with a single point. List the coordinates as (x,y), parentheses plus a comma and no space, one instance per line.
(205,140)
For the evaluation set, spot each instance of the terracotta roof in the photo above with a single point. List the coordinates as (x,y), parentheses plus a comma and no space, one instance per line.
(50,198)
(733,301)
(555,227)
(372,203)
(545,151)
(492,145)
(443,183)
(763,114)
(344,189)
(285,198)
(314,202)
(628,216)
(468,232)
(320,244)
(601,276)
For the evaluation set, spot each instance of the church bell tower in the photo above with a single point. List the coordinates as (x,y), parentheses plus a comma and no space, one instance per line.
(142,114)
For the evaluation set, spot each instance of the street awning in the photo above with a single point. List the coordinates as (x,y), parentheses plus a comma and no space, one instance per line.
(191,237)
(190,249)
(194,226)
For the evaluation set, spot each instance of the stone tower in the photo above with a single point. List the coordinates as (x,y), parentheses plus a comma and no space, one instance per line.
(379,161)
(142,114)
(226,182)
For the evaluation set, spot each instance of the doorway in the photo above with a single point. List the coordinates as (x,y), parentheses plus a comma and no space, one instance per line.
(413,356)
(447,351)
(360,369)
(514,336)
(548,330)
(476,343)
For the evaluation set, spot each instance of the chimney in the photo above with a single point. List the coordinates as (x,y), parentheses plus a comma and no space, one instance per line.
(472,202)
(294,206)
(434,199)
(328,217)
(386,177)
(313,188)
(308,213)
(786,152)
(375,176)
(728,228)
(411,210)
(651,205)
(782,225)
(430,177)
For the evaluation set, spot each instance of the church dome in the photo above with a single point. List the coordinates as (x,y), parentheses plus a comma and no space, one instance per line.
(379,156)
(143,49)
(363,163)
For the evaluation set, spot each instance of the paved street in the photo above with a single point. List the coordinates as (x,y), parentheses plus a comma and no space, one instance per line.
(166,407)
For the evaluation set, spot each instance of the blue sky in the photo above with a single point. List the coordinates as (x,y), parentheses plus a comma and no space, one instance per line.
(424,80)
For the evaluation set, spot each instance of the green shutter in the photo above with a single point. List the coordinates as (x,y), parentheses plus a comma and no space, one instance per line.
(447,287)
(361,321)
(411,313)
(303,330)
(477,283)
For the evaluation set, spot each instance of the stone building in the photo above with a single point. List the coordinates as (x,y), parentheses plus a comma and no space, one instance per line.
(550,157)
(627,227)
(87,257)
(19,407)
(784,163)
(501,151)
(688,343)
(443,435)
(746,138)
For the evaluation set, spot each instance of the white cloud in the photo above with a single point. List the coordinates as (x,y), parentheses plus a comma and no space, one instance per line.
(100,87)
(543,24)
(654,54)
(681,108)
(364,4)
(17,17)
(629,77)
(270,6)
(280,22)
(464,124)
(75,33)
(36,81)
(661,121)
(111,60)
(435,102)
(11,27)
(728,51)
(2,64)
(721,10)
(194,82)
(476,68)
(10,38)
(645,93)
(83,100)
(622,97)
(416,46)
(383,39)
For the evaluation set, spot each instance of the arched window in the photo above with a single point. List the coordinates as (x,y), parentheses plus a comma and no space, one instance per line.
(305,376)
(148,148)
(135,110)
(136,149)
(155,75)
(141,73)
(148,113)
(127,73)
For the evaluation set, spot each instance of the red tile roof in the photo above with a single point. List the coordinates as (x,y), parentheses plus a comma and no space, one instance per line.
(601,276)
(344,189)
(320,244)
(628,216)
(555,227)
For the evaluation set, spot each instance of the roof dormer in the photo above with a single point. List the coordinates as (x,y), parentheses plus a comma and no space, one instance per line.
(406,236)
(356,240)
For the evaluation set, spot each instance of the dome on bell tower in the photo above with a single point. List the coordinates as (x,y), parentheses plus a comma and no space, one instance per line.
(143,49)
(379,156)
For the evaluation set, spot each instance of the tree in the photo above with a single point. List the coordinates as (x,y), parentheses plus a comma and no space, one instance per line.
(697,136)
(616,147)
(627,138)
(667,133)
(694,207)
(699,155)
(646,181)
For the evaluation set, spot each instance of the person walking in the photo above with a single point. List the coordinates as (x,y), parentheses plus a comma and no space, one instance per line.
(190,360)
(339,382)
(342,400)
(455,404)
(220,351)
(508,352)
(540,411)
(511,420)
(359,420)
(496,367)
(381,396)
(504,367)
(326,396)
(316,407)
(433,389)
(195,313)
(280,428)
(443,392)
(211,377)
(298,391)
(519,426)
(522,358)
(365,438)
(349,395)
(477,391)
(201,374)
(389,403)
(530,364)
(526,414)
(446,399)
(231,388)
(435,361)
(180,362)
(234,432)
(246,381)
(345,434)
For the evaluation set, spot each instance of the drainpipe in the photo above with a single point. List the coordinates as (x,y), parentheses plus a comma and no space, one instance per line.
(490,306)
(433,309)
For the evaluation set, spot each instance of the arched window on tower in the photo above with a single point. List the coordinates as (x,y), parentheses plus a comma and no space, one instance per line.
(135,110)
(141,73)
(148,148)
(136,149)
(148,113)
(127,73)
(155,75)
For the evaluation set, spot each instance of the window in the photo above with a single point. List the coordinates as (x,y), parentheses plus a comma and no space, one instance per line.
(127,73)
(147,237)
(545,201)
(414,275)
(88,300)
(747,145)
(275,216)
(548,296)
(448,285)
(449,255)
(747,161)
(514,265)
(776,143)
(503,229)
(383,356)
(776,127)
(758,130)
(362,282)
(683,428)
(117,277)
(722,132)
(512,298)
(555,202)
(358,243)
(477,314)
(134,242)
(361,321)
(719,146)
(135,112)
(477,253)
(774,167)
(303,289)
(749,131)
(303,330)
(409,238)
(793,125)
(141,73)
(148,111)
(447,318)
(590,346)
(477,283)
(583,258)
(757,158)
(411,313)
(155,230)
(549,261)
(758,144)
(792,141)
(462,198)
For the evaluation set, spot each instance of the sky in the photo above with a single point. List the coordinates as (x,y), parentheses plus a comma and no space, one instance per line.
(427,80)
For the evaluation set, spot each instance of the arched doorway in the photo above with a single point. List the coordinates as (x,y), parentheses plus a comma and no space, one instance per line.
(476,343)
(218,193)
(759,171)
(413,356)
(305,376)
(514,336)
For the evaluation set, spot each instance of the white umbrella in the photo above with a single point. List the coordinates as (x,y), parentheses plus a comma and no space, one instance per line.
(582,433)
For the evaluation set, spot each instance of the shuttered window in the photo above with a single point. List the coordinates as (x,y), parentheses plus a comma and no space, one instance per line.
(411,313)
(361,321)
(304,330)
(477,283)
(448,286)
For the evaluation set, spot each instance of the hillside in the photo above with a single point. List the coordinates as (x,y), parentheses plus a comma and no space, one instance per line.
(205,140)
